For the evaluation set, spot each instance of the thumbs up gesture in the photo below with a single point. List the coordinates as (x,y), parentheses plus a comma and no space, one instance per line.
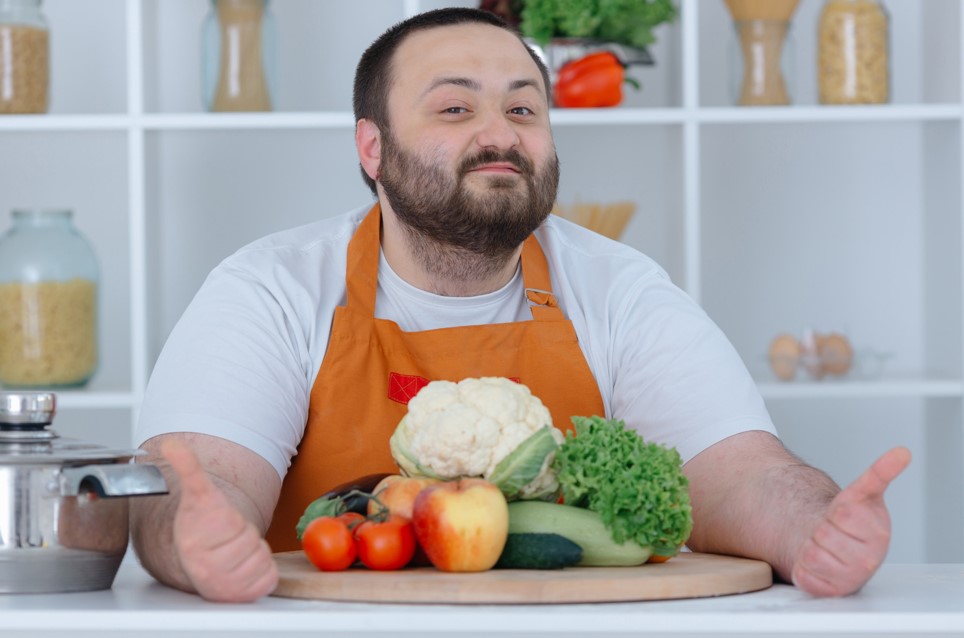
(221,552)
(850,543)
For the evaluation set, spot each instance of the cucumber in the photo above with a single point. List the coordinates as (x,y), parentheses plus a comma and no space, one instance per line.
(538,551)
(583,527)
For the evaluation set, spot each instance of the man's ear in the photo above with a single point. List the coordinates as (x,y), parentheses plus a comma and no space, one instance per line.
(368,140)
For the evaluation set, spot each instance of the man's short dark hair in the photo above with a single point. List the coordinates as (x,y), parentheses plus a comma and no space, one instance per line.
(373,76)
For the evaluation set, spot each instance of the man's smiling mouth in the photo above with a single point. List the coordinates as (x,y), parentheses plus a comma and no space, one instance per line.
(502,168)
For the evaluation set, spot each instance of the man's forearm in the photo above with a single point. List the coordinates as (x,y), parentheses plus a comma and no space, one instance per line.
(152,535)
(764,505)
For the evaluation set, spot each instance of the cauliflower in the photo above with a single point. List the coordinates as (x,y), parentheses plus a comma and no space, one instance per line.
(491,427)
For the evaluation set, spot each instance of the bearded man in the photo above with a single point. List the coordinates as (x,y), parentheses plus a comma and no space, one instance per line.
(291,367)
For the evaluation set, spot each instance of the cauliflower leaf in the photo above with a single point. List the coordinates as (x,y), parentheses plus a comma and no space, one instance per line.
(525,464)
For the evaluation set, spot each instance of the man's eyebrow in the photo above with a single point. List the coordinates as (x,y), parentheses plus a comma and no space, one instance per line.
(467,83)
(515,85)
(473,85)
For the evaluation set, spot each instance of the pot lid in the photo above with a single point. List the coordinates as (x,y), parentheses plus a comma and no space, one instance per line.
(26,438)
(61,451)
(30,409)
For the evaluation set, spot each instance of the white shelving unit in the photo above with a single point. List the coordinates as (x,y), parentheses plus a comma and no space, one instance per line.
(773,218)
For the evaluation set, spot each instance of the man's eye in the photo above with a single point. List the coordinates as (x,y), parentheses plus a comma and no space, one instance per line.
(455,110)
(521,110)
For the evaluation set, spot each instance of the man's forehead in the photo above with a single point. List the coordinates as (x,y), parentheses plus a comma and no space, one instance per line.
(457,50)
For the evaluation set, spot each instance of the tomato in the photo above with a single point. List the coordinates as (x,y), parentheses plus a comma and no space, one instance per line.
(351,519)
(328,544)
(386,545)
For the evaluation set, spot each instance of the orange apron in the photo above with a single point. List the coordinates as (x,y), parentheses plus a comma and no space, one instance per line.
(372,368)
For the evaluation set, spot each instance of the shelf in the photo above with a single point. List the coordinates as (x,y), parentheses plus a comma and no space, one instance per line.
(759,115)
(616,116)
(862,113)
(106,122)
(559,117)
(275,120)
(887,388)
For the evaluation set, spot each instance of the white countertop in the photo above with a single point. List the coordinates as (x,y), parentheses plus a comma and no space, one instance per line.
(900,600)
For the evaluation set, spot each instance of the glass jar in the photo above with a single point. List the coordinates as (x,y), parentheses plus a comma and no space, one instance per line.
(48,302)
(762,51)
(765,56)
(24,57)
(238,56)
(854,57)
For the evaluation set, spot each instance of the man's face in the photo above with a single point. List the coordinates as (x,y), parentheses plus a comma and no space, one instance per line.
(469,160)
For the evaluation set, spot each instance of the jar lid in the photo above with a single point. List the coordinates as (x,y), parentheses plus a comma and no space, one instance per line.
(27,409)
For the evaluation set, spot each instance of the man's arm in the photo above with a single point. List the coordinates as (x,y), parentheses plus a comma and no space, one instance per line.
(207,535)
(752,498)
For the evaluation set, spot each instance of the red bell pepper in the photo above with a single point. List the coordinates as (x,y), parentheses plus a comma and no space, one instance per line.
(591,81)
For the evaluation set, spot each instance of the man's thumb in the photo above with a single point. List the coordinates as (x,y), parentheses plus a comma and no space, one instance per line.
(195,483)
(873,482)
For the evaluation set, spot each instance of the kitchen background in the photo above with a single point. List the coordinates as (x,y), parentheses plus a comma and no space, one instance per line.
(777,219)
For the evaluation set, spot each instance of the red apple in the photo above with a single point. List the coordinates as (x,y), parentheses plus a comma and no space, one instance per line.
(398,493)
(462,525)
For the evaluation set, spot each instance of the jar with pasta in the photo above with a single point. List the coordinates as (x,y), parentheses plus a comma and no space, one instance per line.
(766,48)
(238,56)
(24,57)
(48,302)
(854,52)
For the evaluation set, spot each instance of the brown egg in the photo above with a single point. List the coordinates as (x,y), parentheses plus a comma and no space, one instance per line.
(836,353)
(784,356)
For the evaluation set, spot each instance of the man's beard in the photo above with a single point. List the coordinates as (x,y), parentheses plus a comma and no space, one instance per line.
(455,233)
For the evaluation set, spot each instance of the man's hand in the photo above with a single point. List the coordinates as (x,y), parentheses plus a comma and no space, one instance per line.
(751,497)
(221,552)
(850,543)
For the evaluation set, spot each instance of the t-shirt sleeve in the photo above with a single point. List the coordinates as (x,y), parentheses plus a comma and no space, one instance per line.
(234,367)
(677,379)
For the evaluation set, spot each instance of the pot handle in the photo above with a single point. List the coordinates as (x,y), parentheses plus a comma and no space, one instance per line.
(112,480)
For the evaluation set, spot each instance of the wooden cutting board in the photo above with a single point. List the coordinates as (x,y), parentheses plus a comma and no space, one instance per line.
(689,575)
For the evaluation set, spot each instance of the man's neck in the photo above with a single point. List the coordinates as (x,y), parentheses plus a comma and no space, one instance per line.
(439,268)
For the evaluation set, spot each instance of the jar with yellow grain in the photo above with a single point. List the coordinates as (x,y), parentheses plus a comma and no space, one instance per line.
(48,302)
(24,57)
(854,52)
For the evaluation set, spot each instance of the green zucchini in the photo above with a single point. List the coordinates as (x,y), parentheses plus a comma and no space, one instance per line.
(582,526)
(538,551)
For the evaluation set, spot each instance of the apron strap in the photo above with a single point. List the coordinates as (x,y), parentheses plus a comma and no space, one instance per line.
(361,280)
(538,287)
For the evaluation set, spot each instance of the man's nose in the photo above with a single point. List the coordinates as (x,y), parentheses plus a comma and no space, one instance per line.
(497,132)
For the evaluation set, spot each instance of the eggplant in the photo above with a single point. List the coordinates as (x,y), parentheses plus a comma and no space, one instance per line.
(351,496)
(354,493)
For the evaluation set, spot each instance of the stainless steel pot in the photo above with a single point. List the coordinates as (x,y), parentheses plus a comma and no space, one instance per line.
(63,503)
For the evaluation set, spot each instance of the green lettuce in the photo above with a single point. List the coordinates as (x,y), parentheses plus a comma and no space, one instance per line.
(637,488)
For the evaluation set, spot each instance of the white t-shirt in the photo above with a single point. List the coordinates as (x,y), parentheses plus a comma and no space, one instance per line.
(241,362)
